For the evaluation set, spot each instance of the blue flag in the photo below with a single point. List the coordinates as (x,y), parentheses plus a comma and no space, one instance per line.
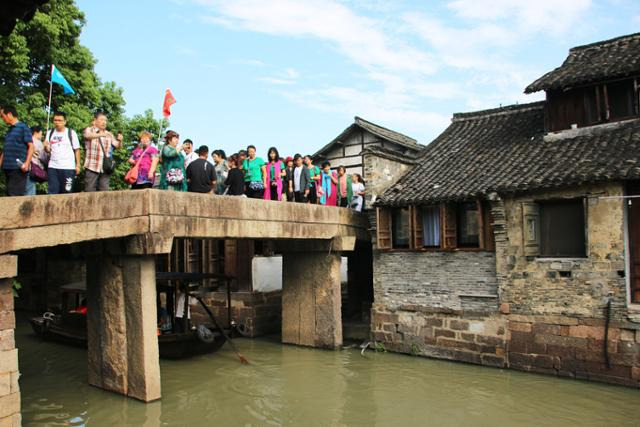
(58,78)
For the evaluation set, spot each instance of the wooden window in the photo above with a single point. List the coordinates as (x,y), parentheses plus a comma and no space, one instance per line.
(562,228)
(468,225)
(620,98)
(400,223)
(383,228)
(416,227)
(633,217)
(488,240)
(531,228)
(428,226)
(449,229)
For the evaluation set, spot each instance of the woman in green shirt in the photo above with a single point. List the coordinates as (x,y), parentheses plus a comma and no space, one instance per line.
(173,176)
(255,174)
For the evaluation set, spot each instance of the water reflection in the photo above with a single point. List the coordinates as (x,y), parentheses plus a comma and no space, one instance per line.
(293,386)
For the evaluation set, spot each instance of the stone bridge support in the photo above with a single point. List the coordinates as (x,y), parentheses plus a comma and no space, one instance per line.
(122,318)
(9,389)
(311,292)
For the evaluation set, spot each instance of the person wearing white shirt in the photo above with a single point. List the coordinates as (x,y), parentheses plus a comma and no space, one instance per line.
(63,146)
(189,154)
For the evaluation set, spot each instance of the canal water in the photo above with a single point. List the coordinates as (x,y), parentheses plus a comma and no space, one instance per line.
(292,386)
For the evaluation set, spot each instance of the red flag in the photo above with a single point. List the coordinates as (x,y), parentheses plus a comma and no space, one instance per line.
(169,100)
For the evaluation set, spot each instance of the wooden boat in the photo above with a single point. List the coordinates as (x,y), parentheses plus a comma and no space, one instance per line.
(70,326)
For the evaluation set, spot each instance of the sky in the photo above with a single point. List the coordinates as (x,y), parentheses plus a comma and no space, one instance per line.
(294,73)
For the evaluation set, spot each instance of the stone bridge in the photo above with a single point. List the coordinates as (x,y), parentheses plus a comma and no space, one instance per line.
(121,232)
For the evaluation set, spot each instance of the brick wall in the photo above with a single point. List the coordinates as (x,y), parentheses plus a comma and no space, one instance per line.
(9,389)
(574,347)
(451,280)
(259,312)
(479,339)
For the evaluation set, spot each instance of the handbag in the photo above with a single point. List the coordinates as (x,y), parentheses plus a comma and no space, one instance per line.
(132,176)
(108,164)
(175,176)
(37,174)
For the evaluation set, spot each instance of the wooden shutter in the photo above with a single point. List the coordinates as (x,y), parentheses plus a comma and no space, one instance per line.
(531,228)
(383,216)
(416,227)
(448,221)
(481,235)
(487,217)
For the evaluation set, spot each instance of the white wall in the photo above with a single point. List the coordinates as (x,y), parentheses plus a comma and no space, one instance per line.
(267,273)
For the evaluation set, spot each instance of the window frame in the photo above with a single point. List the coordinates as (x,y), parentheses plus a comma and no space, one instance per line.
(448,229)
(532,240)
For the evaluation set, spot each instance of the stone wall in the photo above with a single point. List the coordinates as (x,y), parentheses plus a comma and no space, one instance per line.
(479,339)
(567,286)
(445,280)
(9,388)
(379,174)
(259,312)
(575,347)
(550,315)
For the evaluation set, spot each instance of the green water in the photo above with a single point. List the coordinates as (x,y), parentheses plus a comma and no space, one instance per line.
(286,385)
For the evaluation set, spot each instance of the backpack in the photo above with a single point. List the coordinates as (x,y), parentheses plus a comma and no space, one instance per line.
(68,133)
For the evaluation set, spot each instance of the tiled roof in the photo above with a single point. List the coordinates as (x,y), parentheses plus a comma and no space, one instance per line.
(387,153)
(388,134)
(382,132)
(505,150)
(605,60)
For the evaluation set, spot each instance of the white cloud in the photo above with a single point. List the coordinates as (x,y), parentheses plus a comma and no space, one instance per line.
(359,38)
(553,16)
(407,62)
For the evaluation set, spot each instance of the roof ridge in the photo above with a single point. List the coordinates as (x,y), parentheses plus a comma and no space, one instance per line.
(604,42)
(358,118)
(507,109)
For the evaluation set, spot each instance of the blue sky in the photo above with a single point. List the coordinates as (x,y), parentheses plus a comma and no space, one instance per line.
(294,73)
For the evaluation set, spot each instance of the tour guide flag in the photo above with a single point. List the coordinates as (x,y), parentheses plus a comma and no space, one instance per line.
(58,78)
(169,100)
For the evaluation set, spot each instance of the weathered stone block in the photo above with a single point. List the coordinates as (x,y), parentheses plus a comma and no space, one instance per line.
(459,325)
(7,341)
(488,340)
(9,405)
(7,320)
(583,331)
(519,326)
(543,328)
(444,333)
(5,383)
(627,335)
(9,360)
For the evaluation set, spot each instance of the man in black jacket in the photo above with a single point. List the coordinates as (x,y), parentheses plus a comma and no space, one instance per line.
(301,180)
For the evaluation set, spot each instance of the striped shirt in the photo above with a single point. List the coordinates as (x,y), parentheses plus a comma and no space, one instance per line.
(93,154)
(16,145)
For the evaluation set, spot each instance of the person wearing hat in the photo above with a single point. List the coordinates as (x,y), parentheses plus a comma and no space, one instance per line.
(201,175)
(287,180)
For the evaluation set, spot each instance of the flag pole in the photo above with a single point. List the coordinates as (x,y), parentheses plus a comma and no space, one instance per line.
(49,106)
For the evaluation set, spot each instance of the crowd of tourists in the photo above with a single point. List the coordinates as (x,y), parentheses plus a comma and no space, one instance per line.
(29,156)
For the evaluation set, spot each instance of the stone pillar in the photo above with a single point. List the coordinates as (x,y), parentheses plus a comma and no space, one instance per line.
(311,304)
(122,329)
(9,389)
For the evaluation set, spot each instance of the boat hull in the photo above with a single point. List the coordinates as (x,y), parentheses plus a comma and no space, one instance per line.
(170,346)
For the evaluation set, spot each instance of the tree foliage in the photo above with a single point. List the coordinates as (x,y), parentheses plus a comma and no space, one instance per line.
(53,37)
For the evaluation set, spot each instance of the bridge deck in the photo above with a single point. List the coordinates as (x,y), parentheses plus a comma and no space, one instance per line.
(43,221)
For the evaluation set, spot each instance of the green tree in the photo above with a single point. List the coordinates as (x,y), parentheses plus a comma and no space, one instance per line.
(53,37)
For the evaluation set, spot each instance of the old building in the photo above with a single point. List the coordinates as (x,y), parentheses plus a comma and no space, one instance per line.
(378,154)
(513,241)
